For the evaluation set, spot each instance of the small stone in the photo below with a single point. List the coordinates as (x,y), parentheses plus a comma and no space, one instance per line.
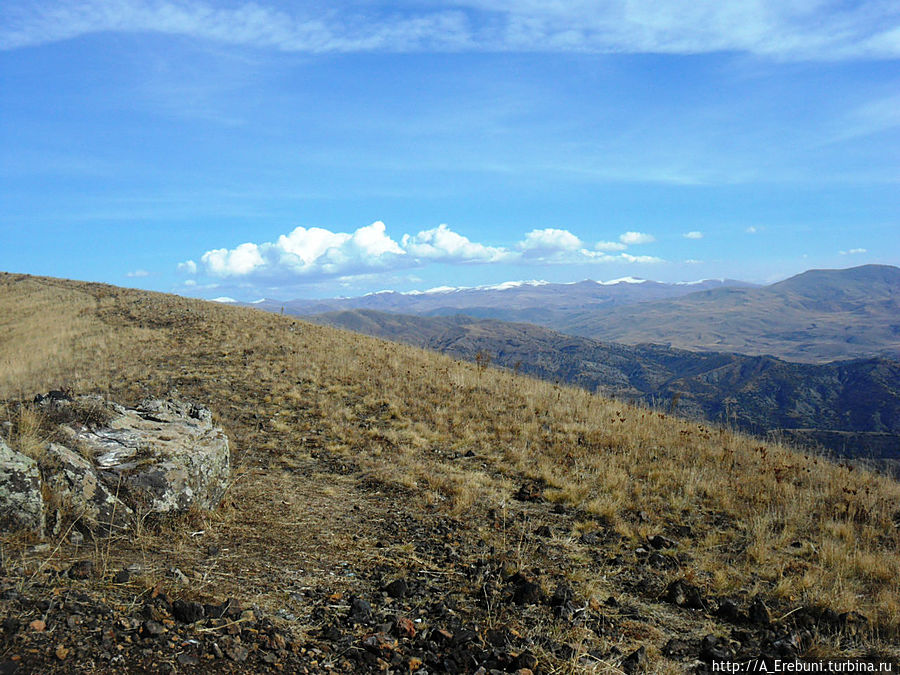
(188,659)
(397,588)
(237,653)
(76,538)
(360,611)
(728,610)
(122,577)
(526,661)
(405,628)
(635,661)
(187,612)
(180,577)
(153,628)
(38,626)
(659,542)
(83,569)
(61,652)
(544,531)
(217,651)
(683,594)
(759,613)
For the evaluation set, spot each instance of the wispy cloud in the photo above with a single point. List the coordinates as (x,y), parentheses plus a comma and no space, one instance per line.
(853,251)
(785,29)
(137,274)
(318,253)
(693,234)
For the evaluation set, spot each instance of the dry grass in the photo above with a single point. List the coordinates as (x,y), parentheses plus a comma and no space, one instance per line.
(755,517)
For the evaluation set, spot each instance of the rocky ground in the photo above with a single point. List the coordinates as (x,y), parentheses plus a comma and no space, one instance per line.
(454,602)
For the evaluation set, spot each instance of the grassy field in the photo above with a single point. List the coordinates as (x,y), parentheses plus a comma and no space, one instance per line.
(337,437)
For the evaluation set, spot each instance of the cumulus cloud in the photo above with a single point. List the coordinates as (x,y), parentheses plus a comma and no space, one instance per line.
(853,251)
(631,238)
(549,240)
(308,252)
(318,253)
(444,245)
(187,267)
(694,234)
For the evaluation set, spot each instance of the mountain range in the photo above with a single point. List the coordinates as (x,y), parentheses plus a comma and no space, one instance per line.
(814,317)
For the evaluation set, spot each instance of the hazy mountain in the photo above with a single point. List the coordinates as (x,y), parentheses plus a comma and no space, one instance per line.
(814,317)
(851,407)
(817,316)
(533,301)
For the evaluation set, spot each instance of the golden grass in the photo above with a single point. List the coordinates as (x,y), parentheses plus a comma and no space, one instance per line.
(758,517)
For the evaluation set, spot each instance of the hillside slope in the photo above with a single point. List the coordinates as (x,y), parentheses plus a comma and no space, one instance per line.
(394,509)
(817,316)
(761,394)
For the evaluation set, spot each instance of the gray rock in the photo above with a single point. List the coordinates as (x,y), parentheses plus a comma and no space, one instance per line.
(78,492)
(21,502)
(167,455)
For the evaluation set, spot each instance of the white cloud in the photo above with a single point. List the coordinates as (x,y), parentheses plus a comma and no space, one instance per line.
(237,262)
(853,251)
(138,274)
(693,261)
(187,267)
(317,253)
(694,234)
(312,251)
(631,238)
(609,246)
(190,282)
(799,29)
(443,244)
(549,240)
(751,230)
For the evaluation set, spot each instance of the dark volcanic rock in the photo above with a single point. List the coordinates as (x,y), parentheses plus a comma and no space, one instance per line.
(683,594)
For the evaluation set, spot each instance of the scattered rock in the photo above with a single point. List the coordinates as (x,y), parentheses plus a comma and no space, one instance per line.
(660,542)
(38,626)
(360,611)
(237,653)
(78,490)
(83,569)
(634,661)
(758,613)
(728,610)
(397,588)
(187,612)
(530,492)
(21,502)
(683,594)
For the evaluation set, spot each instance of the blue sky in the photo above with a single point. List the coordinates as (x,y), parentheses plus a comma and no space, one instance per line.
(315,149)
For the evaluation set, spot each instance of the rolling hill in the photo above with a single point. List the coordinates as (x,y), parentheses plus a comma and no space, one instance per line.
(392,510)
(850,407)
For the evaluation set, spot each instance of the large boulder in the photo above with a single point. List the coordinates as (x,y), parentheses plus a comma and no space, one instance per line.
(165,456)
(78,493)
(21,501)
